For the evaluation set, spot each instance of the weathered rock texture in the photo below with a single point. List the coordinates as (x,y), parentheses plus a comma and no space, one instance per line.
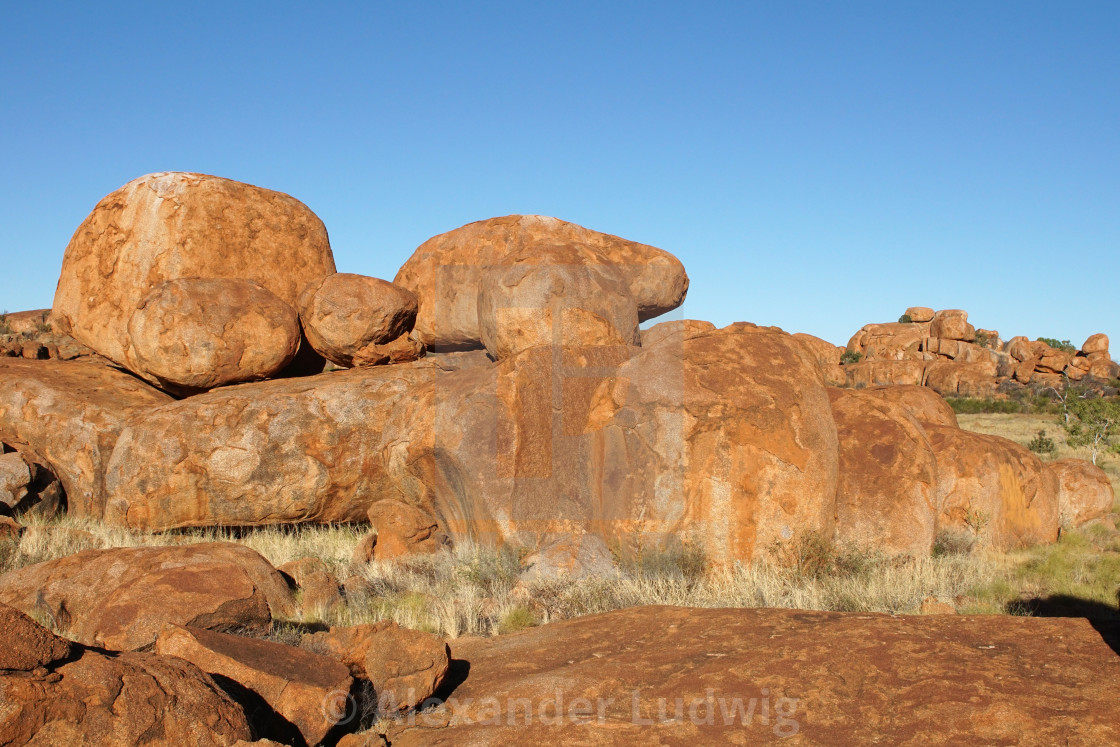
(402,529)
(924,404)
(1084,491)
(445,271)
(304,690)
(174,225)
(551,295)
(119,598)
(193,334)
(345,316)
(993,488)
(657,675)
(58,693)
(404,666)
(887,498)
(15,477)
(68,416)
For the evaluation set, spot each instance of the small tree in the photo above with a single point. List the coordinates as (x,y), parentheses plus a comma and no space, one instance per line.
(1093,423)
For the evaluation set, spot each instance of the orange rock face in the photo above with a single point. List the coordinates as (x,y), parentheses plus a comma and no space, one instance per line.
(1097,343)
(405,667)
(27,644)
(304,689)
(883,372)
(175,225)
(923,404)
(827,355)
(887,496)
(952,324)
(402,530)
(664,675)
(343,314)
(993,488)
(1084,491)
(119,598)
(554,295)
(128,699)
(194,334)
(445,272)
(68,416)
(952,379)
(920,314)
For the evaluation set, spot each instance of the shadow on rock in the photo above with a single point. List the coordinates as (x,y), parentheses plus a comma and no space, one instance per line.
(1104,618)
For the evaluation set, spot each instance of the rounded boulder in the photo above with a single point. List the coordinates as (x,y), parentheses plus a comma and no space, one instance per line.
(194,334)
(343,314)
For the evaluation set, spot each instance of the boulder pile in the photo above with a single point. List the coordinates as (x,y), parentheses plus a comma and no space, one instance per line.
(523,405)
(943,351)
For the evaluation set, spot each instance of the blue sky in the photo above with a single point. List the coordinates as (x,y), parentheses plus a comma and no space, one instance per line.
(816,166)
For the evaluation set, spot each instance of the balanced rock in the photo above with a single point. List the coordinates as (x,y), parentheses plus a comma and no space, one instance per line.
(119,598)
(194,334)
(1097,343)
(404,666)
(1084,491)
(306,691)
(68,416)
(952,324)
(402,529)
(550,295)
(445,272)
(174,225)
(994,489)
(923,404)
(920,314)
(344,314)
(887,497)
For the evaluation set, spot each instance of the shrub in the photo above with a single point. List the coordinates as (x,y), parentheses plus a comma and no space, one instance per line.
(42,326)
(970,406)
(1065,345)
(1042,444)
(850,356)
(983,339)
(953,542)
(5,325)
(905,319)
(1092,422)
(515,619)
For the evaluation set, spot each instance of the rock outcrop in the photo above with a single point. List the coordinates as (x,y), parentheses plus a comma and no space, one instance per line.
(887,498)
(194,334)
(306,692)
(174,225)
(1084,491)
(119,598)
(666,675)
(445,272)
(402,529)
(68,416)
(347,318)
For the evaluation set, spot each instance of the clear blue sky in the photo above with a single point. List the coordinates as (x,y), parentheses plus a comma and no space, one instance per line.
(816,165)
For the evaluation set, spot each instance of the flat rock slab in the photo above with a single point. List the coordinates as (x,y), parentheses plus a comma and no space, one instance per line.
(670,675)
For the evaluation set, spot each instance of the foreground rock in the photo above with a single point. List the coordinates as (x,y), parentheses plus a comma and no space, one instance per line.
(994,489)
(552,295)
(119,598)
(1084,491)
(662,675)
(402,530)
(346,316)
(445,271)
(194,334)
(405,667)
(68,416)
(304,690)
(887,498)
(58,693)
(923,404)
(174,225)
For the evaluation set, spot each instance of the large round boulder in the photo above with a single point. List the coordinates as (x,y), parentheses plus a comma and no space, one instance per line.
(993,489)
(194,334)
(344,315)
(446,270)
(175,225)
(923,404)
(1084,491)
(550,296)
(887,495)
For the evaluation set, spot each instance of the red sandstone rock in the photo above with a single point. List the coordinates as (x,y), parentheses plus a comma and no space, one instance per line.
(343,314)
(1084,491)
(402,530)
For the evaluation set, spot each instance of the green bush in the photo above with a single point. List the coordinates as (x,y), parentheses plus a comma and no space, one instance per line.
(1042,444)
(5,325)
(850,356)
(983,339)
(905,319)
(1059,344)
(1093,423)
